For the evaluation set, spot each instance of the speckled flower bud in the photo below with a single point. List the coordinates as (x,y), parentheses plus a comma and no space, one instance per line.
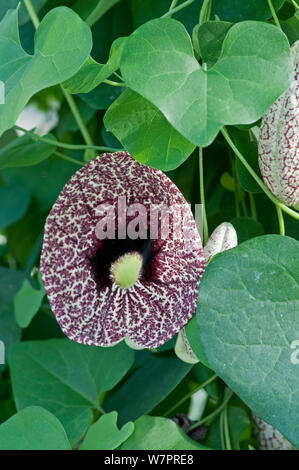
(268,437)
(279,142)
(223,238)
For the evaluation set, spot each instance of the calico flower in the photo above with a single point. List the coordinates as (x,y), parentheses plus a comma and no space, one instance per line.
(279,142)
(268,437)
(223,238)
(111,274)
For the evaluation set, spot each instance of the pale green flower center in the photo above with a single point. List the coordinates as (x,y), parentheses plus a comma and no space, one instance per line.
(126,270)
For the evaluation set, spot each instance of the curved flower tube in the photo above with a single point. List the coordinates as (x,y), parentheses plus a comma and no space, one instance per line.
(110,274)
(268,437)
(279,142)
(223,238)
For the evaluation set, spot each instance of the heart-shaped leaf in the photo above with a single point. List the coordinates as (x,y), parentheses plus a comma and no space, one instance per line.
(27,302)
(157,433)
(208,39)
(62,44)
(167,370)
(249,327)
(24,151)
(66,378)
(33,428)
(158,63)
(91,74)
(105,435)
(134,121)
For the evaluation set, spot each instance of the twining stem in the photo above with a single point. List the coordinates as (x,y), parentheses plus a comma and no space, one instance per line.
(69,159)
(227,440)
(178,8)
(189,395)
(286,209)
(173,5)
(214,413)
(69,98)
(274,13)
(280,220)
(113,83)
(295,4)
(202,197)
(205,12)
(64,145)
(252,206)
(32,13)
(77,116)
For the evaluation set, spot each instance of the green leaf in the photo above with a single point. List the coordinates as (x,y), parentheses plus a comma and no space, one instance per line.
(208,39)
(33,428)
(93,10)
(195,342)
(23,151)
(102,96)
(44,181)
(226,10)
(66,378)
(91,74)
(155,433)
(54,59)
(10,282)
(227,181)
(27,303)
(105,435)
(246,143)
(247,228)
(145,132)
(153,380)
(14,204)
(249,325)
(158,63)
(234,10)
(239,425)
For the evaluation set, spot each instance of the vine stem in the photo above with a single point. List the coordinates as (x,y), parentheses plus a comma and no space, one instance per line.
(173,5)
(272,9)
(227,440)
(202,197)
(113,83)
(295,4)
(32,13)
(280,220)
(189,395)
(77,116)
(64,145)
(268,193)
(205,12)
(214,413)
(69,159)
(170,12)
(69,98)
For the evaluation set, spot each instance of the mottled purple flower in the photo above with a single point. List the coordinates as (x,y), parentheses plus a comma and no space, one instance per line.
(279,142)
(268,437)
(102,290)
